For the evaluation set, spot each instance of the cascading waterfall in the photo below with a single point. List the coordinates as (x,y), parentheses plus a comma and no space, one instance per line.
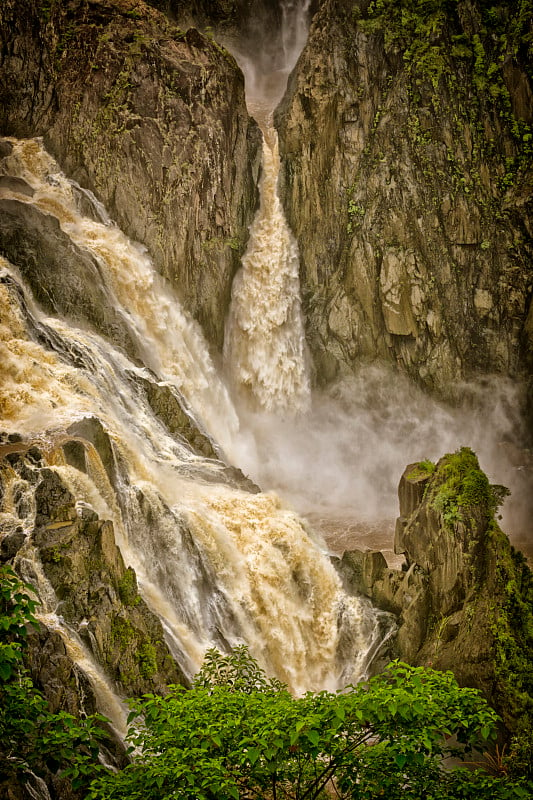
(218,564)
(336,456)
(169,343)
(265,351)
(30,569)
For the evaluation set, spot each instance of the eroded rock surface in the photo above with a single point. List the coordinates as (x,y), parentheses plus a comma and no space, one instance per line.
(464,599)
(414,231)
(95,593)
(149,117)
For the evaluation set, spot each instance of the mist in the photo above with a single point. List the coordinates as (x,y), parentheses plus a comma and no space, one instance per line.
(339,464)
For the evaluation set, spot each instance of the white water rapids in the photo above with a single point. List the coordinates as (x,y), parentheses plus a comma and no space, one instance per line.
(218,564)
(265,352)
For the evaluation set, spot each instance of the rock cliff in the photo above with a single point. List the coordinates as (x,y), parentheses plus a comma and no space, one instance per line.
(96,595)
(149,117)
(464,598)
(407,180)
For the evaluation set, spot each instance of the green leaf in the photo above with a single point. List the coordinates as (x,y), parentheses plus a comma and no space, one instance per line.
(400,760)
(313,736)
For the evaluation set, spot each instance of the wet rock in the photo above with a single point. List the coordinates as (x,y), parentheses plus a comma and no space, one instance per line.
(421,255)
(64,279)
(5,148)
(171,408)
(96,593)
(89,431)
(56,675)
(153,121)
(361,569)
(17,185)
(11,544)
(462,599)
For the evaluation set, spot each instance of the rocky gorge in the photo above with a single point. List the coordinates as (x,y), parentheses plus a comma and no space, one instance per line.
(423,188)
(134,479)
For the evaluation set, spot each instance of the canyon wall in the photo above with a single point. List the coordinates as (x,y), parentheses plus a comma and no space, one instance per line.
(150,118)
(464,597)
(406,178)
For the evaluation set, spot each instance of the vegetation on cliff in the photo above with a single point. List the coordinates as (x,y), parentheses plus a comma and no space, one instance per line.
(238,734)
(33,740)
(414,140)
(445,40)
(478,591)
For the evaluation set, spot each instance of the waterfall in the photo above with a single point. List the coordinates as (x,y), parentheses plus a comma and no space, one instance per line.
(336,455)
(265,352)
(218,564)
(30,568)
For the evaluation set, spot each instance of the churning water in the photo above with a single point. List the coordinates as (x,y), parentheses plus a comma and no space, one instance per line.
(218,564)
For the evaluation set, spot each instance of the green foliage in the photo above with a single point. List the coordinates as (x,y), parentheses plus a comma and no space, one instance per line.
(236,671)
(32,738)
(122,631)
(423,469)
(436,44)
(127,588)
(147,658)
(461,484)
(512,629)
(355,214)
(16,613)
(250,738)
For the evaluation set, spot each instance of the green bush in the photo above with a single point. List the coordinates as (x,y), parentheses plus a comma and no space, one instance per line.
(31,737)
(238,734)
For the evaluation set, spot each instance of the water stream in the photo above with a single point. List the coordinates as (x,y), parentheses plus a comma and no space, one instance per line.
(219,564)
(265,352)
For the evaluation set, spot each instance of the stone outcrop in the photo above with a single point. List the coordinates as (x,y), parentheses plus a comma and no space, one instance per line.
(410,196)
(65,280)
(96,594)
(464,597)
(150,118)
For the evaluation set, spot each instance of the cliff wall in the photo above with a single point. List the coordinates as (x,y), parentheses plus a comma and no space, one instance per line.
(407,180)
(464,598)
(150,118)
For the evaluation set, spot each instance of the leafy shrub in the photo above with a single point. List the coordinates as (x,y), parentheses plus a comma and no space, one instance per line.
(31,737)
(238,734)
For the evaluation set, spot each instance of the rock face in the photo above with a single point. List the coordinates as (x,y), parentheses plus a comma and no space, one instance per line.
(464,599)
(97,595)
(152,120)
(409,194)
(64,279)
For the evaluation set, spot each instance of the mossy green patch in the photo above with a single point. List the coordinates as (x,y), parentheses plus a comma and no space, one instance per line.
(460,484)
(442,45)
(512,628)
(127,588)
(423,469)
(147,660)
(122,631)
